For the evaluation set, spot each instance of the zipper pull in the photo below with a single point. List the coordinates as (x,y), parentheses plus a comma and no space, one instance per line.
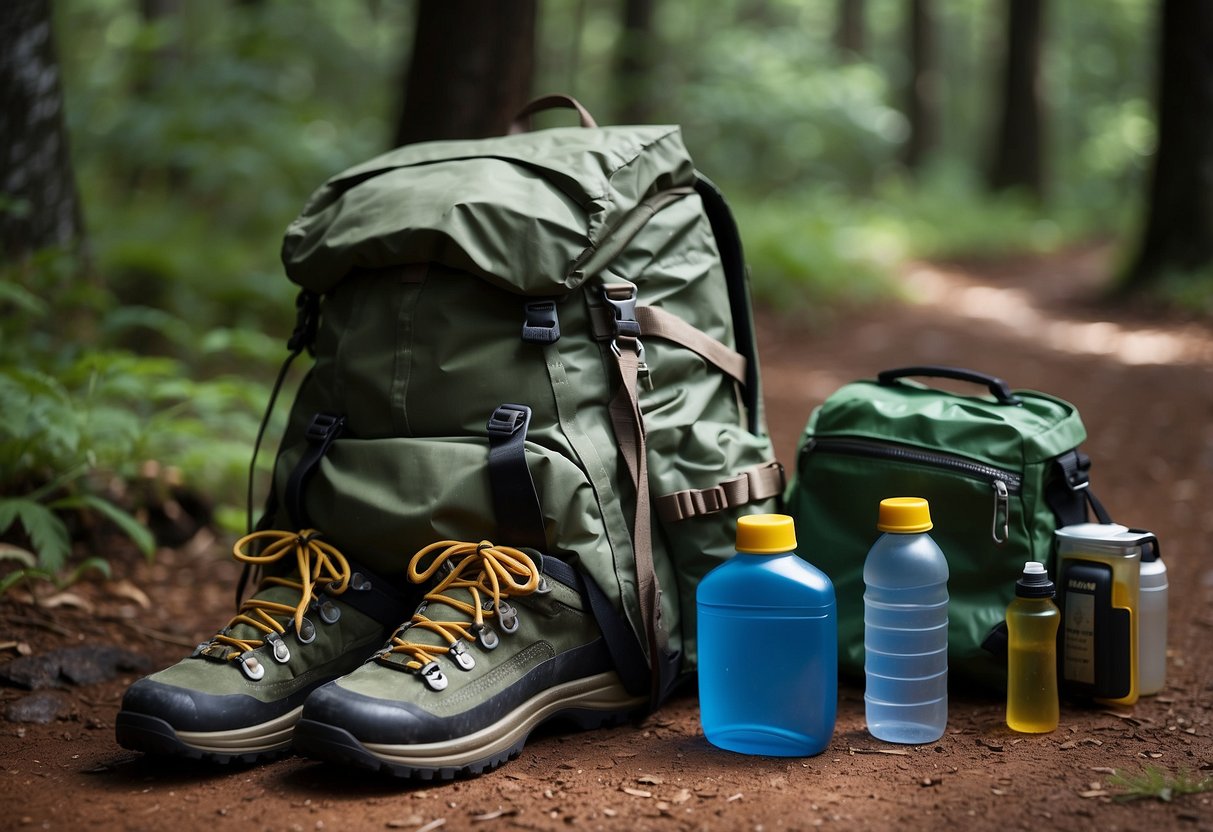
(1002,512)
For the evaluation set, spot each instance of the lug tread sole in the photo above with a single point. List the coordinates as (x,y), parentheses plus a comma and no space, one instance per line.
(152,735)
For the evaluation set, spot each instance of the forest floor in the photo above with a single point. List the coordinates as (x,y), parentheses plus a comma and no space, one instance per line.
(1143,382)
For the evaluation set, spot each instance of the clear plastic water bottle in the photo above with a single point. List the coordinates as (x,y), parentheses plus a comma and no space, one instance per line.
(905,633)
(1032,621)
(768,646)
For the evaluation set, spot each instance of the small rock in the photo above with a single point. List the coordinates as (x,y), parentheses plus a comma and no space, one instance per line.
(72,665)
(38,708)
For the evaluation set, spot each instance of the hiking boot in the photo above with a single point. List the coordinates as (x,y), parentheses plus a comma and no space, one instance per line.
(237,697)
(458,688)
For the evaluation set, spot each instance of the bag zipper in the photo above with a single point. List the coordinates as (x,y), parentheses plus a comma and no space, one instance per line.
(1003,483)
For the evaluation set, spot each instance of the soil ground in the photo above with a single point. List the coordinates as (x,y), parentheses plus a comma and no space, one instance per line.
(1143,382)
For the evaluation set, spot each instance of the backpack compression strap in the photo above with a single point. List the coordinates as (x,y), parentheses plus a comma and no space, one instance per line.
(628,423)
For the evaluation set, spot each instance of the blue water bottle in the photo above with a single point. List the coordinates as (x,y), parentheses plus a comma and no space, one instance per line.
(768,646)
(905,627)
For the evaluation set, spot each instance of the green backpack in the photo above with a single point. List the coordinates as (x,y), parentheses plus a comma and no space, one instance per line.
(543,340)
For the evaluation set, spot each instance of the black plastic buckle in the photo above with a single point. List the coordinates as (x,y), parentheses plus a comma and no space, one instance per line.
(508,419)
(1077,468)
(324,428)
(542,325)
(625,310)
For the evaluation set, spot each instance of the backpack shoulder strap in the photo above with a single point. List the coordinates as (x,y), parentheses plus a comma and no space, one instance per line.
(728,242)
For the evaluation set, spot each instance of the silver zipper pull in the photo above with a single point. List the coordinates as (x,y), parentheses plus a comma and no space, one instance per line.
(1002,512)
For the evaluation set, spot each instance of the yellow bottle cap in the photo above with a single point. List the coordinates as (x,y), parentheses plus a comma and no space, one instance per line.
(905,515)
(765,534)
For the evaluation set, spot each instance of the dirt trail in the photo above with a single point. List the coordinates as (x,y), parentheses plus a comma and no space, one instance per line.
(1144,385)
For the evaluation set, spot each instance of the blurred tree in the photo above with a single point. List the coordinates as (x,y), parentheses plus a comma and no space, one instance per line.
(1178,234)
(850,33)
(634,63)
(165,52)
(1018,147)
(922,105)
(39,205)
(470,71)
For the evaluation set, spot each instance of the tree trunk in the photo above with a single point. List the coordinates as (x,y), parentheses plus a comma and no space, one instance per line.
(1178,233)
(471,69)
(850,33)
(39,206)
(634,63)
(1018,154)
(923,94)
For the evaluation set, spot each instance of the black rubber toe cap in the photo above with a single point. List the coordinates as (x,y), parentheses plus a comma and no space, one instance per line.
(375,720)
(192,710)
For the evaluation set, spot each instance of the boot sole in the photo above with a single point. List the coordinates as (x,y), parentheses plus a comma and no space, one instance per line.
(592,702)
(152,735)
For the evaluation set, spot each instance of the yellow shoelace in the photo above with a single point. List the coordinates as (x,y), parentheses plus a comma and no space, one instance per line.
(494,572)
(318,563)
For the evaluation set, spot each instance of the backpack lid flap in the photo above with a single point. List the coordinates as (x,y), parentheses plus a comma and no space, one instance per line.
(517,210)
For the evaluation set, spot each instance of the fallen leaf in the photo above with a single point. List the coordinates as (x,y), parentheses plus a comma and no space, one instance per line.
(997,791)
(636,792)
(682,797)
(67,599)
(126,589)
(402,823)
(993,745)
(1068,744)
(895,751)
(1092,793)
(731,798)
(434,824)
(1103,770)
(649,780)
(493,815)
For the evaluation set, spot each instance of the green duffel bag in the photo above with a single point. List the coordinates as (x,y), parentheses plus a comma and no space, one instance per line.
(1001,473)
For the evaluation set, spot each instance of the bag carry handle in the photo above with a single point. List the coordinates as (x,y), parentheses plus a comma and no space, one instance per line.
(522,121)
(997,387)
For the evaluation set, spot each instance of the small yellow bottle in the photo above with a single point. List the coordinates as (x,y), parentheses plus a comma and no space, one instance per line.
(1032,621)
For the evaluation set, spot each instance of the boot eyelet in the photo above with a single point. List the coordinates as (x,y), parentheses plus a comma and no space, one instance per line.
(544,587)
(487,637)
(329,612)
(359,582)
(282,653)
(251,667)
(509,618)
(433,676)
(459,652)
(306,633)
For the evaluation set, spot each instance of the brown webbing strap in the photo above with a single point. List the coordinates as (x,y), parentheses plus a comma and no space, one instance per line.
(754,484)
(628,423)
(659,323)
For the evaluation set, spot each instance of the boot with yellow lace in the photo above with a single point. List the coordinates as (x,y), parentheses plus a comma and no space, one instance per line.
(499,645)
(314,617)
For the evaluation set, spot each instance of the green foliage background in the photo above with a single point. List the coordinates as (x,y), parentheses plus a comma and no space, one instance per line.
(196,139)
